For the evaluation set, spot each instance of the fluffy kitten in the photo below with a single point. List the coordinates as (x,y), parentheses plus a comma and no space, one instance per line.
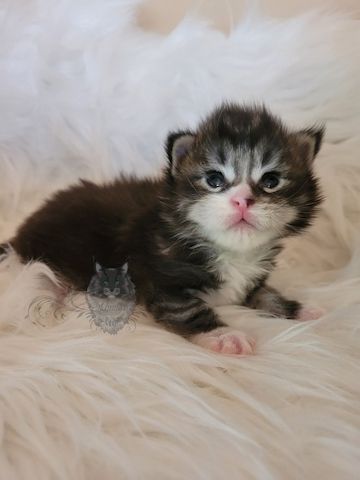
(205,234)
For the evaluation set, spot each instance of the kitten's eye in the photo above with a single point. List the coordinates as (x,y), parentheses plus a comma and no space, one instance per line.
(215,179)
(269,181)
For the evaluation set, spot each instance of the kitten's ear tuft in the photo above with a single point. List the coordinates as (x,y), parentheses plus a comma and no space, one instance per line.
(178,145)
(313,137)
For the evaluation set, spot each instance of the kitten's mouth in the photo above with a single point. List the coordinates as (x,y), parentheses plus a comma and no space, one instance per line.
(242,224)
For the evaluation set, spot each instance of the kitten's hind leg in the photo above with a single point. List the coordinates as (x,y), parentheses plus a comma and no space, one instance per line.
(270,300)
(191,317)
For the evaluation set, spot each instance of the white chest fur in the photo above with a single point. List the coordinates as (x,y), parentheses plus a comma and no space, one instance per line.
(238,273)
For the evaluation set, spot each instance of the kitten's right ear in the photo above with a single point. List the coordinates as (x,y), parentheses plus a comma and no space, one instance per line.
(178,146)
(311,138)
(98,267)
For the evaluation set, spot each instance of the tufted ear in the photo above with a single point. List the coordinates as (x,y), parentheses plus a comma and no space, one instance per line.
(311,139)
(178,146)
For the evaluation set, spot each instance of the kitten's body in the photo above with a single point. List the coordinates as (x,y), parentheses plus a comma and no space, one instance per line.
(183,255)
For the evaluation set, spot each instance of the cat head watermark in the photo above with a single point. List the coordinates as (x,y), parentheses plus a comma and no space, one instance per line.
(111,298)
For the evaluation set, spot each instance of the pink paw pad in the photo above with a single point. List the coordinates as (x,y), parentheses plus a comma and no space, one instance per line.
(310,313)
(225,340)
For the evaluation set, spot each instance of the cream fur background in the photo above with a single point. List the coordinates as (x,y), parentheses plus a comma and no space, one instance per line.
(84,91)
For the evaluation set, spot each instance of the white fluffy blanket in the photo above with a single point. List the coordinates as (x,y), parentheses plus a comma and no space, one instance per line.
(85,92)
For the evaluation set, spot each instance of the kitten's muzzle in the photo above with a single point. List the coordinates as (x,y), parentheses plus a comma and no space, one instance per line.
(241,202)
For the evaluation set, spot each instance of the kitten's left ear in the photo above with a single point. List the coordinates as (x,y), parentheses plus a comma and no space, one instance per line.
(311,138)
(178,146)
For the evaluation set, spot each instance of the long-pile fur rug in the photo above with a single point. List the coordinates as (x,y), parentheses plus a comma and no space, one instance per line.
(85,92)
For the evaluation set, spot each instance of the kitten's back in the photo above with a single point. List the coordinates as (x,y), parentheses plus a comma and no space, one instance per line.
(87,223)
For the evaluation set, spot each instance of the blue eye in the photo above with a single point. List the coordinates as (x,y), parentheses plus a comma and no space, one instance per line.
(215,179)
(270,180)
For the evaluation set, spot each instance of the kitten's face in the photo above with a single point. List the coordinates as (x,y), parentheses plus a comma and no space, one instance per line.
(243,179)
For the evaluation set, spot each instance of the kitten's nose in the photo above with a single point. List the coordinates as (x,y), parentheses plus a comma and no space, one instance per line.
(243,198)
(242,202)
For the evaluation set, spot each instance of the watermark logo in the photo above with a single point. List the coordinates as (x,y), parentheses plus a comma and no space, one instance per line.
(111,298)
(108,303)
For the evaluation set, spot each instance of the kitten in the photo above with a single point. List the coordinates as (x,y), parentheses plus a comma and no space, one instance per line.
(205,234)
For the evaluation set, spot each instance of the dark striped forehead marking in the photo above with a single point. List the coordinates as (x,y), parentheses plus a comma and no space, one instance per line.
(242,141)
(241,164)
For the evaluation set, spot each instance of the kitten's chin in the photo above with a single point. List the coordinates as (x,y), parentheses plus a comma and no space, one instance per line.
(241,237)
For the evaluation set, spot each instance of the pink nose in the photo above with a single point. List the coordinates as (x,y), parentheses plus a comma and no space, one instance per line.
(242,200)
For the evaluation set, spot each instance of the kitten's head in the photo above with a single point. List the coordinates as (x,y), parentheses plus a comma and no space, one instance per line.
(242,178)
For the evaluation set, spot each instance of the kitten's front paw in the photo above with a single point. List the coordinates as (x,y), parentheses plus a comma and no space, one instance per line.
(310,313)
(225,340)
